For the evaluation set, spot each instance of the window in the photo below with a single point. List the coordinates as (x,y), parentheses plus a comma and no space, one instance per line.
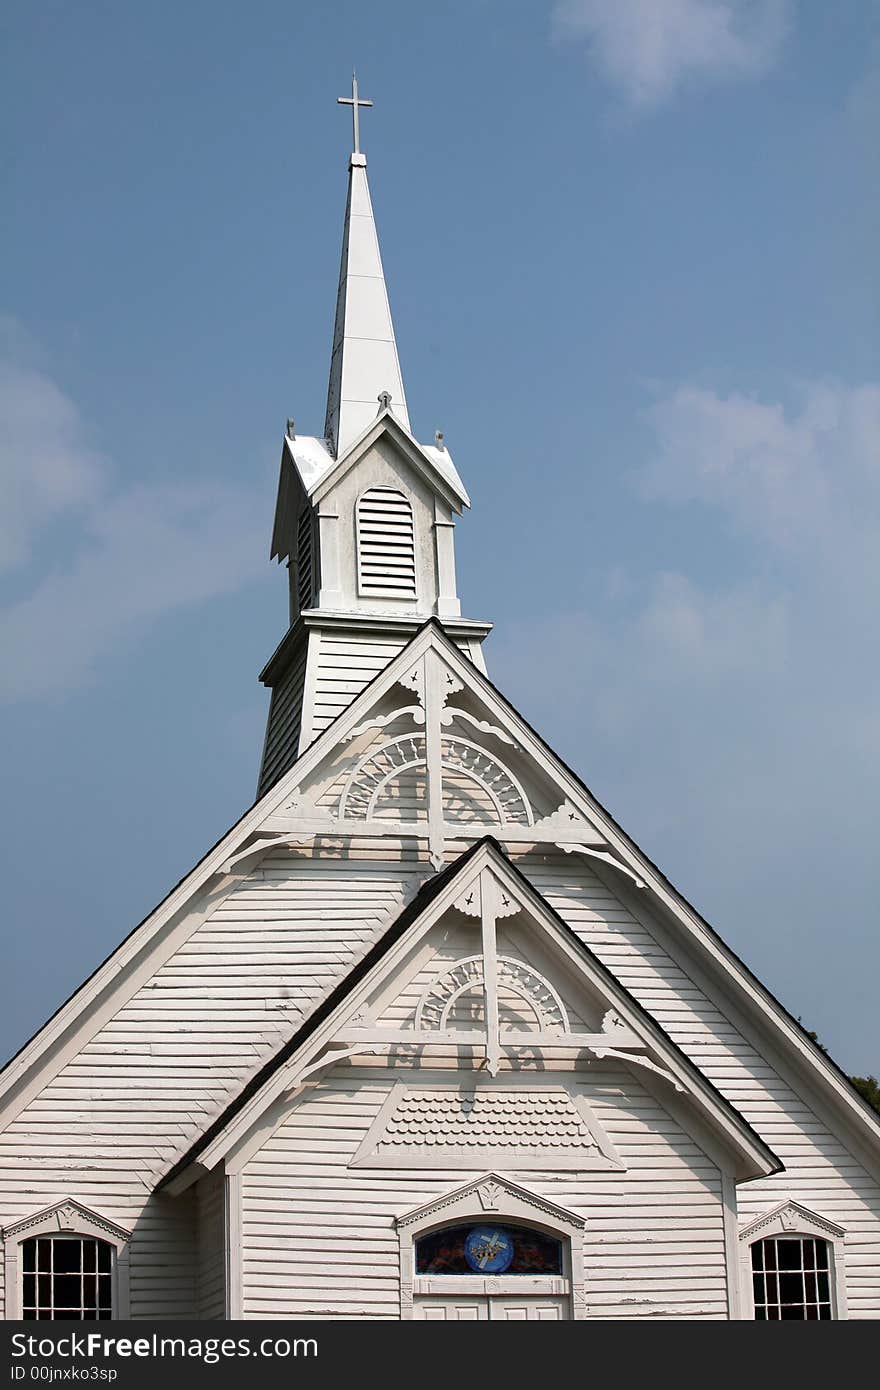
(385,545)
(793,1266)
(66,1278)
(791,1278)
(488,1249)
(66,1263)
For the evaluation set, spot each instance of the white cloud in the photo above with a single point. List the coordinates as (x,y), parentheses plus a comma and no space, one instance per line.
(46,467)
(139,551)
(806,481)
(649,48)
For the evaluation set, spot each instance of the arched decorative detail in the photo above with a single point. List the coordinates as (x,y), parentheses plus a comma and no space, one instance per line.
(521,979)
(501,798)
(461,756)
(386,555)
(373,772)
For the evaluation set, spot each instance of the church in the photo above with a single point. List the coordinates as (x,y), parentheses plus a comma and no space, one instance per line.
(425,1035)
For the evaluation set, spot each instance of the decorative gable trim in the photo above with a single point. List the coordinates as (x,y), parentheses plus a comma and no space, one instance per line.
(67,1215)
(492,1193)
(150,944)
(544,1141)
(335,1032)
(791,1217)
(450,487)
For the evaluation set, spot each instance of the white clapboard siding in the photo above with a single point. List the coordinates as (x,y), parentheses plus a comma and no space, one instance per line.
(346,663)
(819,1171)
(284,723)
(319,1238)
(133,1100)
(342,664)
(211,1246)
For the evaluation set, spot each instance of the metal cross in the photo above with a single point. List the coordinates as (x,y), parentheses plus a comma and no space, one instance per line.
(354,101)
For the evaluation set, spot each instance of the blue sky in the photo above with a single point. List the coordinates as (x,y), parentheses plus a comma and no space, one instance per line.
(630,246)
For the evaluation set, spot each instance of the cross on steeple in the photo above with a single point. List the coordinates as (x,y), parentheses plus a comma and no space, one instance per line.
(354,101)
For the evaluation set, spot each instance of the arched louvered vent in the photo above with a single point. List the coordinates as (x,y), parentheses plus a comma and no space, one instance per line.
(386,544)
(305,560)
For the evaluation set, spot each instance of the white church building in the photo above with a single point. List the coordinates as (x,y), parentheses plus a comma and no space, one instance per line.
(425,1035)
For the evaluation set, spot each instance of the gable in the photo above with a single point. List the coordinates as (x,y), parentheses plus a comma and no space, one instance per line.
(434,465)
(449,989)
(309,470)
(384,509)
(435,760)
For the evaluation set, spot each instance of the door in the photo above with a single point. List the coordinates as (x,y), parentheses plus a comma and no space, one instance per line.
(503,1309)
(464,1309)
(490,1308)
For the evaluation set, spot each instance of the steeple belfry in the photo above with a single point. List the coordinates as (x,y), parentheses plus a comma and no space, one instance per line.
(364,361)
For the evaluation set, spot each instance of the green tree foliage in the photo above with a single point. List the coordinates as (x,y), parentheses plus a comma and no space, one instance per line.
(869,1087)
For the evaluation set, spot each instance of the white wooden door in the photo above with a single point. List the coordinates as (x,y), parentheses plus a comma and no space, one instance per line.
(503,1309)
(465,1309)
(491,1308)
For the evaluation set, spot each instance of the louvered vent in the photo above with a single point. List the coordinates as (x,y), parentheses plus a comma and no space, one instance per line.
(305,568)
(386,544)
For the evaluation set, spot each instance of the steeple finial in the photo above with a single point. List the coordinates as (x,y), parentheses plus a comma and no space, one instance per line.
(364,360)
(354,101)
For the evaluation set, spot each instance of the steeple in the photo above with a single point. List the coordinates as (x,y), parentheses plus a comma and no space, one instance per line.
(364,362)
(365,516)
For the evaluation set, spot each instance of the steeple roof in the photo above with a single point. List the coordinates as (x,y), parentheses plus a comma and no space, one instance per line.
(364,362)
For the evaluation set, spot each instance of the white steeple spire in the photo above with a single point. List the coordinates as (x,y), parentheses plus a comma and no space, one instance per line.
(364,361)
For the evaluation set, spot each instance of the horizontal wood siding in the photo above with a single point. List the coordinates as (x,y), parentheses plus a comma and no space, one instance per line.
(162,1258)
(319,1238)
(211,1237)
(819,1170)
(347,663)
(285,720)
(116,1117)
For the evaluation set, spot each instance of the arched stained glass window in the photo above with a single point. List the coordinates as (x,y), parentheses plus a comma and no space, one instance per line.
(488,1248)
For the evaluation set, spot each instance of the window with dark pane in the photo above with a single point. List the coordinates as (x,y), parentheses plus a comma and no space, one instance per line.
(66,1278)
(791,1277)
(449,1251)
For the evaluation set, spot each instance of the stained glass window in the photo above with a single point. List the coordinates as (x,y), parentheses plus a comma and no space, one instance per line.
(66,1278)
(488,1248)
(792,1279)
